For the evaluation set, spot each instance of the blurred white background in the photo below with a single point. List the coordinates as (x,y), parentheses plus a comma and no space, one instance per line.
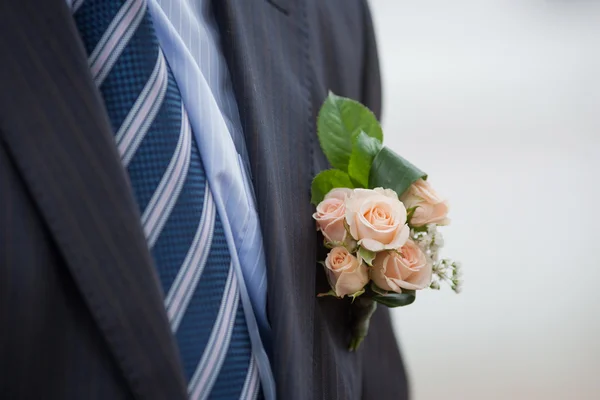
(499,101)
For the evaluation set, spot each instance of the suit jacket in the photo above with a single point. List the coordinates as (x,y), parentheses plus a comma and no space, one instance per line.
(81,312)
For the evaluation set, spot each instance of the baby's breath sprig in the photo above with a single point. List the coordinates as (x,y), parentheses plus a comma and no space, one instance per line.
(449,271)
(435,285)
(430,240)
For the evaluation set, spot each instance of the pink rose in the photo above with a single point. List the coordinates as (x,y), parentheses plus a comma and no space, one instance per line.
(431,208)
(346,274)
(409,270)
(377,219)
(330,215)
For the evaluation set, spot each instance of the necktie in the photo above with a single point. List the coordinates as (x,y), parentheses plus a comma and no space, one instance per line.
(178,214)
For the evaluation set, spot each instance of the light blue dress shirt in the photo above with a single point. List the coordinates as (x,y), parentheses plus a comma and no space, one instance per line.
(189,38)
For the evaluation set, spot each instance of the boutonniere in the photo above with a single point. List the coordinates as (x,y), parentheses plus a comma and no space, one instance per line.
(379,218)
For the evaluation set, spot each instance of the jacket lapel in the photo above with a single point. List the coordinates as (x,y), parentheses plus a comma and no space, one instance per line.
(265,44)
(56,130)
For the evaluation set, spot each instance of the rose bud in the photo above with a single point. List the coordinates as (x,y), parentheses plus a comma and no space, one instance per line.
(331,213)
(430,207)
(377,219)
(407,269)
(346,274)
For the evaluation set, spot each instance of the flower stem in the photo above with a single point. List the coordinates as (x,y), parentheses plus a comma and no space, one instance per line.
(361,312)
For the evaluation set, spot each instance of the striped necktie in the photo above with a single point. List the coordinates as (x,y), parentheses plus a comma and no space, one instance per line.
(178,214)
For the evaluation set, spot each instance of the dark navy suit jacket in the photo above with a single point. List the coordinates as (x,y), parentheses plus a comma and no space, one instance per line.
(81,313)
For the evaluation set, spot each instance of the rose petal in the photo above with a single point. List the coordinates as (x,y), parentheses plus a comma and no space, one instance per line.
(431,207)
(413,279)
(351,282)
(416,281)
(339,193)
(391,272)
(400,239)
(335,231)
(332,257)
(378,271)
(387,192)
(366,230)
(371,245)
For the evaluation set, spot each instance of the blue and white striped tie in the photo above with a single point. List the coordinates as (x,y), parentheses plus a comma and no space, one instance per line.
(179,217)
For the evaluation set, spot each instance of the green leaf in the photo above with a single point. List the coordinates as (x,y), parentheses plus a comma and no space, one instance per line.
(327,180)
(364,150)
(391,171)
(330,293)
(376,289)
(393,299)
(409,214)
(356,294)
(418,228)
(367,255)
(340,120)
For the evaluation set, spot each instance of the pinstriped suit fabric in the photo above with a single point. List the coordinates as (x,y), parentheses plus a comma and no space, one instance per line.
(291,56)
(80,212)
(66,345)
(282,59)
